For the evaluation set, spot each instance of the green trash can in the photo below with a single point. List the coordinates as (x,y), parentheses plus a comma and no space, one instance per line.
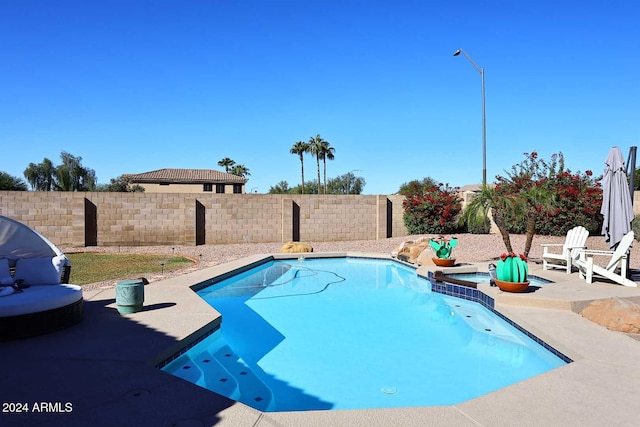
(130,296)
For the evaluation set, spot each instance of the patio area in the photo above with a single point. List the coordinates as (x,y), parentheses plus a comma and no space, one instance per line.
(102,372)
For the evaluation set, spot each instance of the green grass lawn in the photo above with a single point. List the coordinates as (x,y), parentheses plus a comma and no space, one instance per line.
(93,267)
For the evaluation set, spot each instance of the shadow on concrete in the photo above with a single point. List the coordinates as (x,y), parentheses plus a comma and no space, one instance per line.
(151,307)
(95,373)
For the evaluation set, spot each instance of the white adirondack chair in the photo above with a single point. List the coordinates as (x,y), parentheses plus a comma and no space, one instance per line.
(618,258)
(575,241)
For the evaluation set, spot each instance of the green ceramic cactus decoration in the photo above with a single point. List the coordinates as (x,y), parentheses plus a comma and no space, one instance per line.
(443,247)
(512,268)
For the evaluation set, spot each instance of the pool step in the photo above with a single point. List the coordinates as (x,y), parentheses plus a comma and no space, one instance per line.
(216,377)
(483,322)
(252,391)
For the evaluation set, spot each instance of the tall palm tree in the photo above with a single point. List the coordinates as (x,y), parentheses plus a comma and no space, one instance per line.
(240,170)
(300,148)
(327,153)
(226,163)
(316,149)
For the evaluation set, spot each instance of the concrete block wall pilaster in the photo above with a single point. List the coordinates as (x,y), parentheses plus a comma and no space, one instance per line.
(287,220)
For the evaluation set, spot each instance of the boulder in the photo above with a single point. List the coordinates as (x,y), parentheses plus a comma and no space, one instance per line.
(409,251)
(425,258)
(295,247)
(615,314)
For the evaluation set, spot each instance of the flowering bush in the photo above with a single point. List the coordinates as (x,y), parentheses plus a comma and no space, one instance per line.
(577,196)
(430,208)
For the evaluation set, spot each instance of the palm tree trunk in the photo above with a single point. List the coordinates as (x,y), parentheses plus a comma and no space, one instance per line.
(324,161)
(498,218)
(531,230)
(319,182)
(302,168)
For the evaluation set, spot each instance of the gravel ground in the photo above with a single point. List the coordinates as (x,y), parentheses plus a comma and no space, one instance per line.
(471,248)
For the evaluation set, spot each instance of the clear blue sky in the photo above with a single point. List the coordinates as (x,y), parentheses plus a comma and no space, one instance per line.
(133,86)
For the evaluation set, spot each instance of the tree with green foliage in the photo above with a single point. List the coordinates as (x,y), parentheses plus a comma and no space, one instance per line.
(12,183)
(311,187)
(280,188)
(41,176)
(121,184)
(300,148)
(227,163)
(71,175)
(346,184)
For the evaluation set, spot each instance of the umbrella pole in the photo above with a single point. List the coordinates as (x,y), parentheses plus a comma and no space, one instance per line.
(631,173)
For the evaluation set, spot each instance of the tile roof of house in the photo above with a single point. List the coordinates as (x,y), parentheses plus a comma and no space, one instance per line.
(185,176)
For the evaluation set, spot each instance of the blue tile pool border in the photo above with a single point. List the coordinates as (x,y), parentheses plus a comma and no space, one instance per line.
(538,278)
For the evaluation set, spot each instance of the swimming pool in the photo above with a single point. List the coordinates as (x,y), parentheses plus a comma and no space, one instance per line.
(351,333)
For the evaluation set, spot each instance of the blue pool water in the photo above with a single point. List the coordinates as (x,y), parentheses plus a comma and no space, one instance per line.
(348,333)
(484,278)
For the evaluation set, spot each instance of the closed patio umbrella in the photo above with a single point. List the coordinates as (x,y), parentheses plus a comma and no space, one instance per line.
(617,208)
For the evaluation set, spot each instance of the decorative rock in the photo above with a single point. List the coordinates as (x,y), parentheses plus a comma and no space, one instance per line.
(409,251)
(425,258)
(399,249)
(615,314)
(295,247)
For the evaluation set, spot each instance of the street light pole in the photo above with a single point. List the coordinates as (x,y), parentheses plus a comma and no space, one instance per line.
(484,121)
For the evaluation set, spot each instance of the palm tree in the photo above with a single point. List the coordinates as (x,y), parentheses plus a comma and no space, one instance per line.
(240,170)
(226,163)
(300,148)
(522,205)
(485,202)
(327,153)
(316,148)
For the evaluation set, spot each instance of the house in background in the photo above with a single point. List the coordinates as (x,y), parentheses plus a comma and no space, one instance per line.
(188,181)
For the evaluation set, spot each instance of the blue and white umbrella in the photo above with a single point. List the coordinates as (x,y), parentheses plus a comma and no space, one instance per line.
(617,207)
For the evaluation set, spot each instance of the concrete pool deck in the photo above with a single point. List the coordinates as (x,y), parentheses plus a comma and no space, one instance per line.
(101,372)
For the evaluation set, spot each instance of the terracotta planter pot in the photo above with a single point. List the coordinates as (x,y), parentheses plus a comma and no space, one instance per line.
(444,262)
(512,286)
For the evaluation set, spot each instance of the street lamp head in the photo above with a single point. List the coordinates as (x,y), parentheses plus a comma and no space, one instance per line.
(457,52)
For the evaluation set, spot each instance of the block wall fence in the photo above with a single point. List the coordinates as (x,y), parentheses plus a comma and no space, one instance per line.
(132,219)
(144,219)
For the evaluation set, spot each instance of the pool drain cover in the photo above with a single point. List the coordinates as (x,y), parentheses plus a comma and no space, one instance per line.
(389,390)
